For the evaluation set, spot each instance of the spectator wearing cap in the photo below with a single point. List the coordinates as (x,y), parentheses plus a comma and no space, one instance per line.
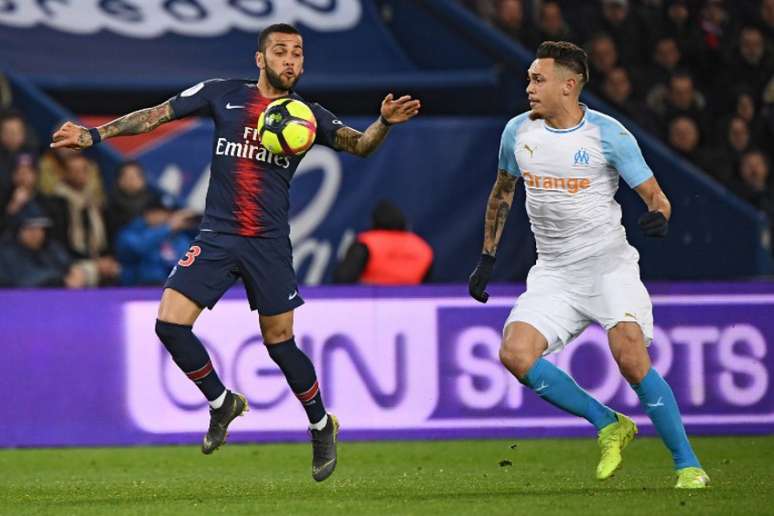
(388,254)
(132,194)
(150,245)
(29,259)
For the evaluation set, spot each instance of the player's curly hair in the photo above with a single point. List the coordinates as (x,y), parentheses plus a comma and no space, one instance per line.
(282,28)
(566,54)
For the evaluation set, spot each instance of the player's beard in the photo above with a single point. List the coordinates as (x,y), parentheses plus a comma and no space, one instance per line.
(277,82)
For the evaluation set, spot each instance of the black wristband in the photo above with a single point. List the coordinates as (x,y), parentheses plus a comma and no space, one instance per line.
(384,121)
(95,136)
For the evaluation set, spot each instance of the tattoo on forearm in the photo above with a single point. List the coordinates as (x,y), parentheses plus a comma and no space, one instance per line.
(361,144)
(138,122)
(497,209)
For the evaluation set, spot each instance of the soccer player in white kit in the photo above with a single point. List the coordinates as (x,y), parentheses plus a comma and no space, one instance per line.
(570,158)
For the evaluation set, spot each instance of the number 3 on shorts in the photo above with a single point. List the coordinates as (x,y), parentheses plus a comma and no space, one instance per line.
(190,256)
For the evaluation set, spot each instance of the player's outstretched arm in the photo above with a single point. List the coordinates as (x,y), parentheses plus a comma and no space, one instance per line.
(393,111)
(78,137)
(497,208)
(654,223)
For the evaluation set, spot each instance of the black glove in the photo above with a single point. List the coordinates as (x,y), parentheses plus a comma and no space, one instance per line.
(654,224)
(480,277)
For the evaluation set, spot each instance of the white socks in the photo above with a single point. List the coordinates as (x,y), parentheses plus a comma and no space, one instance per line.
(320,424)
(218,402)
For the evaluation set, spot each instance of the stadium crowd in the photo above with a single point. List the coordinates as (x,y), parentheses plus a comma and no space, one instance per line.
(697,73)
(59,228)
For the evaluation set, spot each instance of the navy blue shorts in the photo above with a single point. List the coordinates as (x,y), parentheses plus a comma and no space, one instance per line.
(216,260)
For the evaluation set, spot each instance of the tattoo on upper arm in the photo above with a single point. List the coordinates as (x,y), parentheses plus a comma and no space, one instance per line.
(347,138)
(138,122)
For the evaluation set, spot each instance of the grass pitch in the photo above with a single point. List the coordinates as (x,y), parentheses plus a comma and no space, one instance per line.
(542,477)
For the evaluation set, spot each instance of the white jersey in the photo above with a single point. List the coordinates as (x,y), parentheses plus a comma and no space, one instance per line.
(571,176)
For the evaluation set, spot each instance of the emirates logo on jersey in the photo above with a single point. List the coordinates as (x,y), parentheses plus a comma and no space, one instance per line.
(571,185)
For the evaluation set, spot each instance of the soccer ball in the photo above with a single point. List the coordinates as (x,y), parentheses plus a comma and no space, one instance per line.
(287,127)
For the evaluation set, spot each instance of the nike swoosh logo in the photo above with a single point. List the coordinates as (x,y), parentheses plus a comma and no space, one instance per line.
(292,296)
(659,403)
(229,105)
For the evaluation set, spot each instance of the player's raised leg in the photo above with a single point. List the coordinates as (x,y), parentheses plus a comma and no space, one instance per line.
(628,346)
(277,331)
(521,353)
(176,316)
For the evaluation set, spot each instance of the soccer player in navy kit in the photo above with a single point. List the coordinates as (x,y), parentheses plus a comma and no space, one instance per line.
(245,231)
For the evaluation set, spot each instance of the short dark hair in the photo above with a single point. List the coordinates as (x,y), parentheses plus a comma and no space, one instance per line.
(566,54)
(282,28)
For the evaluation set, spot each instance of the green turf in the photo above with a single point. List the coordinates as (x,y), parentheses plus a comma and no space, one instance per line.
(442,477)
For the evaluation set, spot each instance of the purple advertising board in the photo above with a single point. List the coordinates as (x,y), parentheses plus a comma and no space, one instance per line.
(86,369)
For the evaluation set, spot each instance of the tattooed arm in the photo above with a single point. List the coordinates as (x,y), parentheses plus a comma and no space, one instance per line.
(393,111)
(497,209)
(361,144)
(137,122)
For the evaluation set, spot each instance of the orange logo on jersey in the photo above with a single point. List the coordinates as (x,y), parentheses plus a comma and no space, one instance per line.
(571,185)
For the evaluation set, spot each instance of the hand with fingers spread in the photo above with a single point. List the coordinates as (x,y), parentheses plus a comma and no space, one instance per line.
(397,111)
(72,136)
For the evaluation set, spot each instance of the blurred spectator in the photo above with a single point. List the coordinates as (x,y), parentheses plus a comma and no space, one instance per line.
(617,91)
(626,29)
(24,191)
(509,18)
(551,24)
(150,245)
(15,139)
(752,64)
(130,196)
(766,20)
(52,170)
(679,98)
(717,29)
(754,182)
(388,254)
(665,62)
(485,9)
(679,25)
(30,259)
(684,137)
(603,57)
(736,140)
(86,229)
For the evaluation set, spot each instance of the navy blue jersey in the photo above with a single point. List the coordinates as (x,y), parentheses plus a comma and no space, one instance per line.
(248,193)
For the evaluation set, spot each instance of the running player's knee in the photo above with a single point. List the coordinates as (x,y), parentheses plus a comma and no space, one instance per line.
(277,334)
(518,356)
(171,333)
(633,367)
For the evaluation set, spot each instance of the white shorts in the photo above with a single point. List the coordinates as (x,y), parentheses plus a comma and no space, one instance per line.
(561,302)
